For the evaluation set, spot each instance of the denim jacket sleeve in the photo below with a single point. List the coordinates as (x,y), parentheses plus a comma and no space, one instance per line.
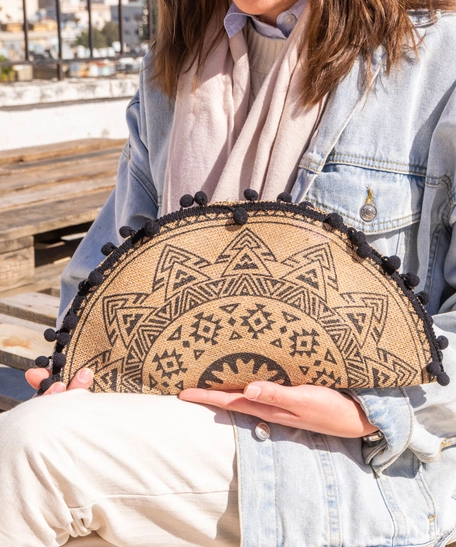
(132,203)
(423,418)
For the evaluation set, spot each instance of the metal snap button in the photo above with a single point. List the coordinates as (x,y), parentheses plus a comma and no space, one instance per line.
(368,212)
(289,19)
(262,431)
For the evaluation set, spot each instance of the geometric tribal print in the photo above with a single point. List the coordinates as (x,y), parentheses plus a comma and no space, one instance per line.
(214,304)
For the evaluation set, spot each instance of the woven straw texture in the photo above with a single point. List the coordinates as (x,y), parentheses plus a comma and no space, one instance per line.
(209,303)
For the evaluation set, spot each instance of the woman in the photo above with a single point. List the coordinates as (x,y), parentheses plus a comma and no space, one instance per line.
(352,105)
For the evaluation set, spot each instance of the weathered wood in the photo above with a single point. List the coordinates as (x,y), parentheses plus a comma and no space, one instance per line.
(14,388)
(15,244)
(36,153)
(32,306)
(20,346)
(45,277)
(52,214)
(17,266)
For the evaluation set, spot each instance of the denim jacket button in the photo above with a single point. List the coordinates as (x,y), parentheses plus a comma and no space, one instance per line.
(262,431)
(368,212)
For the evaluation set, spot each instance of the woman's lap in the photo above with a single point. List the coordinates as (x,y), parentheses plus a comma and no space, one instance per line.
(136,469)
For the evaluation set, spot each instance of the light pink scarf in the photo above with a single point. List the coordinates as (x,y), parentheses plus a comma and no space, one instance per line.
(218,146)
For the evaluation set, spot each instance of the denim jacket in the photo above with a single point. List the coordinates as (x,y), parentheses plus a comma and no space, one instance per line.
(395,147)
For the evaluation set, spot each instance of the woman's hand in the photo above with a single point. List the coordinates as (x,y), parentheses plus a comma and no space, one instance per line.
(309,407)
(82,380)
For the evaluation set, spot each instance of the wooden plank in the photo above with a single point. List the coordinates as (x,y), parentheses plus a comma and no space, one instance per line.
(20,346)
(50,215)
(48,192)
(36,153)
(76,169)
(32,306)
(17,267)
(45,277)
(14,388)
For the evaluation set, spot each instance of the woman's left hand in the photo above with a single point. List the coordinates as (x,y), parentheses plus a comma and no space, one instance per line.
(309,407)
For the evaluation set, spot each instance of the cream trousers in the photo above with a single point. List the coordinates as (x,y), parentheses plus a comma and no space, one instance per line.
(95,470)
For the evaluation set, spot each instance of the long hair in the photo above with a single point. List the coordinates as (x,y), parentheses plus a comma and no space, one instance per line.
(339,32)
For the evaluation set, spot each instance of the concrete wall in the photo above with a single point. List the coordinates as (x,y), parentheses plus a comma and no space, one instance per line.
(42,112)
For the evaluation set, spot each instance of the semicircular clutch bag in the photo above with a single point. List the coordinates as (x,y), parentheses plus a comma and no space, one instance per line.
(217,296)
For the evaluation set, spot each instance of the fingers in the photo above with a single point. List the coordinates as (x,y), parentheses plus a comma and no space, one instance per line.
(82,380)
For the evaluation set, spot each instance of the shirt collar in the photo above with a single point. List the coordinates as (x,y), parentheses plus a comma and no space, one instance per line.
(236,19)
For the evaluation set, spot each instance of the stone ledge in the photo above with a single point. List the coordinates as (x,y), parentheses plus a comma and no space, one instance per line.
(70,90)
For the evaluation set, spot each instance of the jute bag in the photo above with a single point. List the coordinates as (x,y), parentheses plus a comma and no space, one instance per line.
(216,296)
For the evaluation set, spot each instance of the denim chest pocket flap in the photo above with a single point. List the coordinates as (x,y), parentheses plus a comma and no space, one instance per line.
(369,195)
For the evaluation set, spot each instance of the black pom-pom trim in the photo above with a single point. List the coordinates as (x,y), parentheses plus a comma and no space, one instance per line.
(186,201)
(47,382)
(434,368)
(443,379)
(126,231)
(50,335)
(305,204)
(42,361)
(411,280)
(285,197)
(108,248)
(81,285)
(201,198)
(95,278)
(71,321)
(63,338)
(151,228)
(442,342)
(364,251)
(59,360)
(391,263)
(334,220)
(250,194)
(423,297)
(356,237)
(240,215)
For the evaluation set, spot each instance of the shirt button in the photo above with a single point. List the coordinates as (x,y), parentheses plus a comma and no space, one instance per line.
(262,431)
(368,212)
(289,19)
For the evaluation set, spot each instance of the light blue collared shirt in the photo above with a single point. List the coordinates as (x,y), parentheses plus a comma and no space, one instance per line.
(236,19)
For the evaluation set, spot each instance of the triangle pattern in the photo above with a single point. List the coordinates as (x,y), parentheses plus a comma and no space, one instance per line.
(247,240)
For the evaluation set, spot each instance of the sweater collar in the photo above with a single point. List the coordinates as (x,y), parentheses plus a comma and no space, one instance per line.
(236,19)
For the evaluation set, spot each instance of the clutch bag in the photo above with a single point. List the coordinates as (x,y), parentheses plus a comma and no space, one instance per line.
(219,295)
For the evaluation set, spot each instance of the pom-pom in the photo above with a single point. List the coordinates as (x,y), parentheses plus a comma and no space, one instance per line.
(70,322)
(391,263)
(356,237)
(151,228)
(95,278)
(81,285)
(434,368)
(364,251)
(250,194)
(334,220)
(49,335)
(201,198)
(59,360)
(240,215)
(411,280)
(305,204)
(107,248)
(443,379)
(423,297)
(186,201)
(442,342)
(47,382)
(284,196)
(126,231)
(63,338)
(42,361)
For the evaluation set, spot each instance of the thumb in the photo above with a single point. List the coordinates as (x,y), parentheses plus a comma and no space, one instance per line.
(269,393)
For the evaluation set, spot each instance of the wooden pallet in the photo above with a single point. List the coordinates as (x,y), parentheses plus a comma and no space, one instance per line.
(23,319)
(47,195)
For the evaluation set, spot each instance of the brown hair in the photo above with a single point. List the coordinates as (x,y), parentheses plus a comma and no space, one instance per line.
(339,31)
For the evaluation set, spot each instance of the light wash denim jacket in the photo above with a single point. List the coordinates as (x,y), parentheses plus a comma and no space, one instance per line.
(305,489)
